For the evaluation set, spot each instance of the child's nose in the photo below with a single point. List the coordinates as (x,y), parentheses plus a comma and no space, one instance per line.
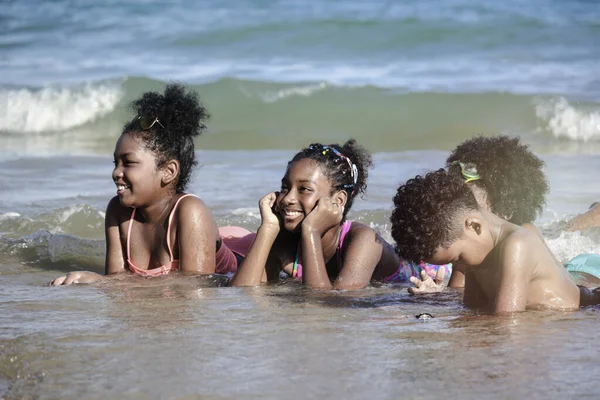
(117,173)
(289,198)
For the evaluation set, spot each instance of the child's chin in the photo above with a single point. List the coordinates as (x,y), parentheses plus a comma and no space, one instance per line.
(125,202)
(293,228)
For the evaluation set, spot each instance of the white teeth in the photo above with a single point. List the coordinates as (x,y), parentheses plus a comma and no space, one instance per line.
(292,213)
(122,187)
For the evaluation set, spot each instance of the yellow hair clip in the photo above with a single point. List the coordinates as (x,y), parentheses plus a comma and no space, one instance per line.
(468,171)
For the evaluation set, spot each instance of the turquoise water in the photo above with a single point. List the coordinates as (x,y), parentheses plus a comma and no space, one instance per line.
(409,80)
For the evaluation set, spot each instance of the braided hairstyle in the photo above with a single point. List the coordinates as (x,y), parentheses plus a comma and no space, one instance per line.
(345,166)
(178,118)
(511,175)
(425,212)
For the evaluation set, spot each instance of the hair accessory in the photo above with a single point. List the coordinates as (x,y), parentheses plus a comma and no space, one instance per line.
(468,171)
(146,123)
(353,168)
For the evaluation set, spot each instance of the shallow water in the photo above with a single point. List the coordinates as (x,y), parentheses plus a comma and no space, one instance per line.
(408,80)
(178,338)
(181,337)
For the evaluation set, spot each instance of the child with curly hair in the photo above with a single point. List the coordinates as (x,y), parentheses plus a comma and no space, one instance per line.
(505,176)
(304,231)
(508,268)
(506,179)
(152,226)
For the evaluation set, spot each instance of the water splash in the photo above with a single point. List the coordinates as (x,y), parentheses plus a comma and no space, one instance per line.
(564,120)
(56,108)
(571,244)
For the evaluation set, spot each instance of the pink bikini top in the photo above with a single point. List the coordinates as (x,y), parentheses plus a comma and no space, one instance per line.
(297,268)
(234,243)
(163,269)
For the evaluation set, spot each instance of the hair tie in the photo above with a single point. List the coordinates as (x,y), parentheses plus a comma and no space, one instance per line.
(468,171)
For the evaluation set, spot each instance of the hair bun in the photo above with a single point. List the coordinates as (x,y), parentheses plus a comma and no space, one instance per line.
(179,112)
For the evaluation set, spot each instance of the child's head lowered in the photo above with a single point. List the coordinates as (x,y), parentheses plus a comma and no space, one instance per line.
(318,171)
(506,177)
(156,148)
(437,219)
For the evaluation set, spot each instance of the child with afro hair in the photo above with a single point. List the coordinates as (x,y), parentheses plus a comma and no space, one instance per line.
(508,268)
(506,179)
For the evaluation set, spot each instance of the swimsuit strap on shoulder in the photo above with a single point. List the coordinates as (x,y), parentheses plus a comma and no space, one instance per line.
(168,238)
(297,267)
(345,229)
(129,233)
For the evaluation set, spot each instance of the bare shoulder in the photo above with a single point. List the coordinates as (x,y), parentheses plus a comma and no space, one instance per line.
(521,248)
(362,231)
(193,217)
(116,210)
(532,228)
(192,206)
(520,239)
(366,241)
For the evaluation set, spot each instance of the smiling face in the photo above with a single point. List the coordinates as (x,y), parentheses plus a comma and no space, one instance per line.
(137,178)
(302,186)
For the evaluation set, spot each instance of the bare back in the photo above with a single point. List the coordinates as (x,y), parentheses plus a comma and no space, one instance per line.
(521,272)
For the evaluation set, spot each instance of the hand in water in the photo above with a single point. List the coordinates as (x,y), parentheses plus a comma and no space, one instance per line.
(267,214)
(426,284)
(324,216)
(77,277)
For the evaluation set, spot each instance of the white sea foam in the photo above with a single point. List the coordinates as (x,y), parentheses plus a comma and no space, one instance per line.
(246,212)
(564,120)
(303,91)
(55,108)
(571,244)
(9,215)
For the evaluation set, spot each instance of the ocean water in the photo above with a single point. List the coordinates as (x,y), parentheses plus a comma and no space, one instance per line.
(409,80)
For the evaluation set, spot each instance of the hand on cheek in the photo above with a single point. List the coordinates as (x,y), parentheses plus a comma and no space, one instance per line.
(324,216)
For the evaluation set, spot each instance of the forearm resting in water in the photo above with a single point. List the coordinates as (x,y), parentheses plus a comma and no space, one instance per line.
(589,219)
(252,271)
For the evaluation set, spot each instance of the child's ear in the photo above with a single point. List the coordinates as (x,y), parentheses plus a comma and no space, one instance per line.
(170,171)
(474,225)
(341,198)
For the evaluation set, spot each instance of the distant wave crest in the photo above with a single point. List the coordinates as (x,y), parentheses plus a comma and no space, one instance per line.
(565,120)
(56,108)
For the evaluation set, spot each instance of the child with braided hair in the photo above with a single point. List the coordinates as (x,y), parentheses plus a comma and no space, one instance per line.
(304,231)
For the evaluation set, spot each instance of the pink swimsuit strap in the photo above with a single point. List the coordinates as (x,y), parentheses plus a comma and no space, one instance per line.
(163,269)
(345,229)
(297,268)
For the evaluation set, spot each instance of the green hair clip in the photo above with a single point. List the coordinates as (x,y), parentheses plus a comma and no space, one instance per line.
(468,171)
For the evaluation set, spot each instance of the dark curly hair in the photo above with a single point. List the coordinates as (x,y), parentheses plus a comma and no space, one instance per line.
(511,176)
(337,168)
(425,212)
(180,117)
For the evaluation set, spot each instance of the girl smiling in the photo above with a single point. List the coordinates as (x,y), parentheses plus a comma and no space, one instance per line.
(304,231)
(152,226)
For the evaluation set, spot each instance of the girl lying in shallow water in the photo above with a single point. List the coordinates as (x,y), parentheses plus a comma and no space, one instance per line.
(152,226)
(304,231)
